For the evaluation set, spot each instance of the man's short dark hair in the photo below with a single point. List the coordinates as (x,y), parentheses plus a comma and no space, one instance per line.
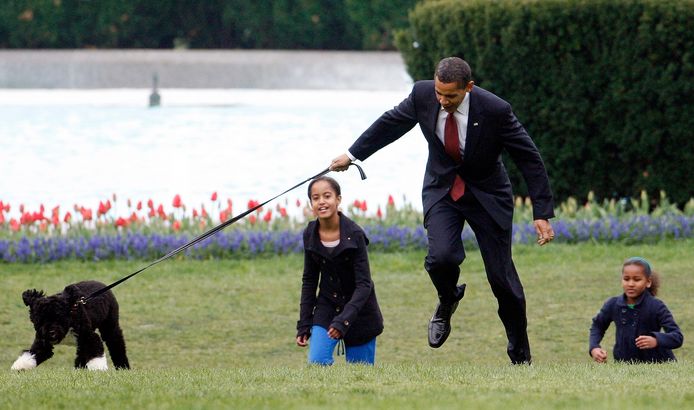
(454,70)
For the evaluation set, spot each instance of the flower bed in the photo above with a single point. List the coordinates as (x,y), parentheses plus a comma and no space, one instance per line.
(33,237)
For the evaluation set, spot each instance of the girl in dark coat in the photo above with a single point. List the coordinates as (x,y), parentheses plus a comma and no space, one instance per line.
(338,300)
(639,318)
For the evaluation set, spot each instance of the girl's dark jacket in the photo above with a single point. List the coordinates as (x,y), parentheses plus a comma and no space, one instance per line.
(648,317)
(345,297)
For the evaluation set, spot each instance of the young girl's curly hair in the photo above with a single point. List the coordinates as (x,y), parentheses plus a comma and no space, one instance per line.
(653,276)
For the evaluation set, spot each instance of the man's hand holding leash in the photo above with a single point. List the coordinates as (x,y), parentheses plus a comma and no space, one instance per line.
(340,163)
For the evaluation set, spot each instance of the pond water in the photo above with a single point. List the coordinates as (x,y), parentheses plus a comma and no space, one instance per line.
(67,147)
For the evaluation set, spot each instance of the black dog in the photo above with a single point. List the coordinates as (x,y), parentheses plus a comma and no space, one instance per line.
(56,316)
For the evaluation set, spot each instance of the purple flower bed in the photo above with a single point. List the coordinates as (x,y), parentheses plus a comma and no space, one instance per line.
(635,229)
(383,238)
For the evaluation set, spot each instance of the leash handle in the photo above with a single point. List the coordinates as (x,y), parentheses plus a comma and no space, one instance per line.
(209,233)
(361,171)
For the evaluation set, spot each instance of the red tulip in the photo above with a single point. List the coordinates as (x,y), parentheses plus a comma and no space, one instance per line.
(268,215)
(150,204)
(139,205)
(26,218)
(55,220)
(214,196)
(14,225)
(363,205)
(160,212)
(357,204)
(2,217)
(391,201)
(121,222)
(283,212)
(223,216)
(102,209)
(68,217)
(176,226)
(177,201)
(203,212)
(379,214)
(133,217)
(252,219)
(86,214)
(298,203)
(195,213)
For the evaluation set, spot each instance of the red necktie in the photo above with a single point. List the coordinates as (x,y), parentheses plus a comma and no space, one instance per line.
(452,146)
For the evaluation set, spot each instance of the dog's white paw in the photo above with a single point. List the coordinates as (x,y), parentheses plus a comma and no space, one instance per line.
(24,362)
(97,363)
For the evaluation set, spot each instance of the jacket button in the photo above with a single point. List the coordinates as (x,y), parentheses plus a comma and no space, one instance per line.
(346,322)
(337,309)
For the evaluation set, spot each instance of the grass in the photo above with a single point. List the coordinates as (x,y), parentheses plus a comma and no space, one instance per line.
(220,334)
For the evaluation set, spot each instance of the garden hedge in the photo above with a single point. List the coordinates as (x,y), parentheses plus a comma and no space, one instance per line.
(267,24)
(604,87)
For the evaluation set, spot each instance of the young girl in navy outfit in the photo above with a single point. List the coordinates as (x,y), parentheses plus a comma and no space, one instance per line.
(338,300)
(646,330)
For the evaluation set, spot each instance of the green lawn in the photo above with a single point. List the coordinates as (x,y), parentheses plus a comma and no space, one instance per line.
(220,334)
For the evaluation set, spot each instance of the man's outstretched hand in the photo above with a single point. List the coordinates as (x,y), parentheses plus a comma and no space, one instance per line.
(340,163)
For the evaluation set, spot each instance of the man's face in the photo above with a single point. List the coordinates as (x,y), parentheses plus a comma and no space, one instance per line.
(450,95)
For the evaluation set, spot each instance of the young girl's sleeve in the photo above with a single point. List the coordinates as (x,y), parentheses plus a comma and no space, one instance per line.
(671,337)
(309,285)
(601,322)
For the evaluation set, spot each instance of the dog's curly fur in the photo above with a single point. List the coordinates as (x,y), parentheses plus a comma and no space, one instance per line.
(54,317)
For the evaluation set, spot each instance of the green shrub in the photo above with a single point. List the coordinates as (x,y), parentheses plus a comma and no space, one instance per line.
(604,87)
(270,24)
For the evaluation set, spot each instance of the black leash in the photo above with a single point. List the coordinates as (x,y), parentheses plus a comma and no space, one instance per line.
(206,235)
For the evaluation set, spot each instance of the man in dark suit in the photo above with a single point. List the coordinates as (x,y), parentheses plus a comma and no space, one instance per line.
(466,128)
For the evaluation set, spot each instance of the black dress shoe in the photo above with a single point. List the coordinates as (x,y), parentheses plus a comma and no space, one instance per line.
(440,323)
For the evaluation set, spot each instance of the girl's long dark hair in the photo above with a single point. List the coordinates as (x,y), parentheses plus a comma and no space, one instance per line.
(334,184)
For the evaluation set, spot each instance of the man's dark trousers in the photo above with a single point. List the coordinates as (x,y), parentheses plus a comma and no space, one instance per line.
(444,224)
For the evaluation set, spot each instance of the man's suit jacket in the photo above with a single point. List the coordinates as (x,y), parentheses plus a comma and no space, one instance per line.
(492,126)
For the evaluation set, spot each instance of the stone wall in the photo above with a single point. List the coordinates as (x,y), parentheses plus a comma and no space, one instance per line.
(202,69)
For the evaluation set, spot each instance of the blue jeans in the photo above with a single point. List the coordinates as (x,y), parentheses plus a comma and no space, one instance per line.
(321,347)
